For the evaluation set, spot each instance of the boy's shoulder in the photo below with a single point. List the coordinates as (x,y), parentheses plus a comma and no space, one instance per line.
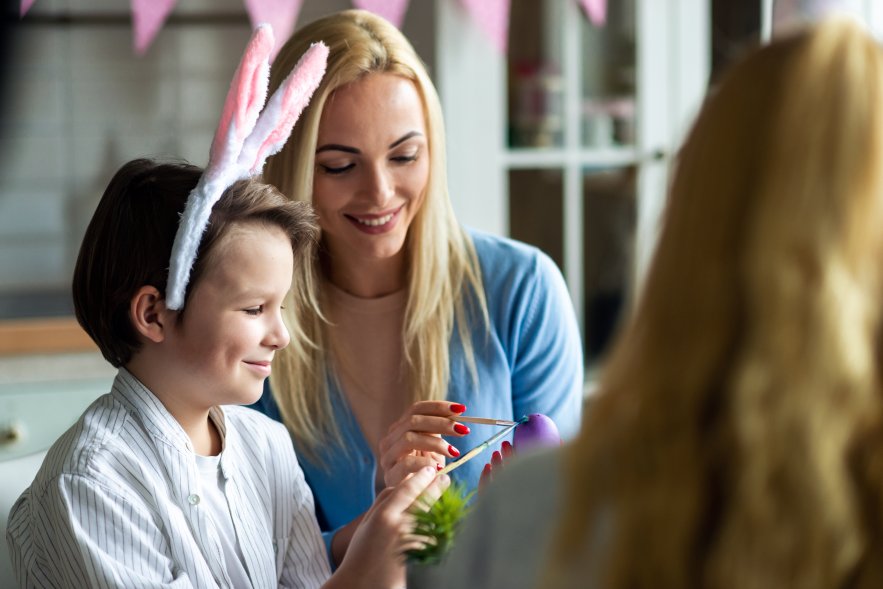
(95,440)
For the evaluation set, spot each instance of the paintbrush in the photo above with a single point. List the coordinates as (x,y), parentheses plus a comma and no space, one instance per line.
(481,447)
(484,420)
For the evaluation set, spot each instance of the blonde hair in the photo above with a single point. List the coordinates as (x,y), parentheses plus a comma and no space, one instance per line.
(442,263)
(738,440)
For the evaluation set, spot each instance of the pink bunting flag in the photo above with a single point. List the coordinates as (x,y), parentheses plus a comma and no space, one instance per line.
(492,17)
(391,10)
(148,17)
(25,6)
(596,10)
(280,14)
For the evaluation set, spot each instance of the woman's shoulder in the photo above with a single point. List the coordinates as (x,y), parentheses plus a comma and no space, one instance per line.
(505,261)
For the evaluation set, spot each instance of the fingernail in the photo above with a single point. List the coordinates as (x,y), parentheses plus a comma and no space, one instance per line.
(453,451)
(458,407)
(506,445)
(438,467)
(486,470)
(461,429)
(497,458)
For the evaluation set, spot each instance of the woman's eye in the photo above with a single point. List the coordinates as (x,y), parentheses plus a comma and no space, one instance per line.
(333,170)
(253,311)
(405,159)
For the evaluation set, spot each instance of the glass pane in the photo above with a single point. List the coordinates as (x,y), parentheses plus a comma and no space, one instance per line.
(536,87)
(536,210)
(608,86)
(735,26)
(609,219)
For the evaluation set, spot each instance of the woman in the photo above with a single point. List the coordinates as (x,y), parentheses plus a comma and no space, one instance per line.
(738,440)
(412,320)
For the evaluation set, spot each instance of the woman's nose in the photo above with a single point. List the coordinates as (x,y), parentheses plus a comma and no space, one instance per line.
(381,187)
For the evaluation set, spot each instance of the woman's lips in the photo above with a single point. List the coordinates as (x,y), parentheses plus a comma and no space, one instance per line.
(375,224)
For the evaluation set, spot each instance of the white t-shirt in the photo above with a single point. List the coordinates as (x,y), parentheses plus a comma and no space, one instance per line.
(215,501)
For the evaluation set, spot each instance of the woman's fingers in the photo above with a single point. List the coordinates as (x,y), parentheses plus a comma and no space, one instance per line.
(415,443)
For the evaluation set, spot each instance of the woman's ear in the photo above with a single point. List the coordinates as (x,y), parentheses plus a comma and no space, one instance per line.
(148,313)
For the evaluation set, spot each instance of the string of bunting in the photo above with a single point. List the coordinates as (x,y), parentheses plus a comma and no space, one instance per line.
(491,16)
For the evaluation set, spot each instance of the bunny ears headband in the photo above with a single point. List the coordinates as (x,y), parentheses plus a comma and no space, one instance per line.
(244,139)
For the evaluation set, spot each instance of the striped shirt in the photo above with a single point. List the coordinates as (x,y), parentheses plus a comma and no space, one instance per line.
(117,503)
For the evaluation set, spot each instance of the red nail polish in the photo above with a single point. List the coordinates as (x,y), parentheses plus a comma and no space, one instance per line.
(461,429)
(458,407)
(497,458)
(438,467)
(453,451)
(486,470)
(506,445)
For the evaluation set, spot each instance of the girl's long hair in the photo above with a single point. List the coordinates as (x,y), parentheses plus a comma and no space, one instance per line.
(443,282)
(737,441)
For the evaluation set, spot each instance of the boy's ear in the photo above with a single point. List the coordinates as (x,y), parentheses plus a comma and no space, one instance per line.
(148,313)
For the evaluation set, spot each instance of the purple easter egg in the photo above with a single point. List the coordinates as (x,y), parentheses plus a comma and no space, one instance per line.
(538,432)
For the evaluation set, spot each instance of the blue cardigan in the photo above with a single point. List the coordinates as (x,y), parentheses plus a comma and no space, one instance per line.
(531,361)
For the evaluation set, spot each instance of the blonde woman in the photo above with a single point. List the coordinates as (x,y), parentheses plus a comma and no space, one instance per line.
(738,442)
(412,319)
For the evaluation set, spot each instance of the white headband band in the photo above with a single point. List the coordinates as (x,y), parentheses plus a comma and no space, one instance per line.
(243,142)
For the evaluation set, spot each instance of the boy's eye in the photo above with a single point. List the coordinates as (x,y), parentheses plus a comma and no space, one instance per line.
(254,311)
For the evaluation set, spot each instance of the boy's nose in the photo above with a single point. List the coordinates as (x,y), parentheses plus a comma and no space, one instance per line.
(278,336)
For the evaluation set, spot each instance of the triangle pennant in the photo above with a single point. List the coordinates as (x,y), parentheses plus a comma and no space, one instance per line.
(148,17)
(492,17)
(280,14)
(391,10)
(25,6)
(596,10)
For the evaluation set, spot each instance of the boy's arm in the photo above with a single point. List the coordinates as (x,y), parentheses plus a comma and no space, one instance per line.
(84,534)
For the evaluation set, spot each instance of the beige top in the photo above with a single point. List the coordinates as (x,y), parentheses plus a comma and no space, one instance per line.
(365,337)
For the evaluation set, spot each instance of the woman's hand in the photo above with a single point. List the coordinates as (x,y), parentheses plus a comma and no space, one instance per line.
(414,441)
(375,557)
(498,458)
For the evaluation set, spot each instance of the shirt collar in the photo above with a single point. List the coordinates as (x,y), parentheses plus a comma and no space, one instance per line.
(132,393)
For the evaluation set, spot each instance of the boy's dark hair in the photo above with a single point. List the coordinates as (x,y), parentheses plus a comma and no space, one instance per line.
(129,242)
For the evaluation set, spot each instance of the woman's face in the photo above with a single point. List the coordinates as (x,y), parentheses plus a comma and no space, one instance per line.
(372,167)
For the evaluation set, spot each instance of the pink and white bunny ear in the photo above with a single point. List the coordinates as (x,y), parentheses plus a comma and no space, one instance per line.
(242,143)
(246,96)
(283,109)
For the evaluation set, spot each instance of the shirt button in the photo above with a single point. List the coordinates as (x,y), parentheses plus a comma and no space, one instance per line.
(193,499)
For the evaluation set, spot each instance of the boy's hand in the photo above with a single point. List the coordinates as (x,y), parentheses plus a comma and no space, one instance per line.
(415,440)
(375,557)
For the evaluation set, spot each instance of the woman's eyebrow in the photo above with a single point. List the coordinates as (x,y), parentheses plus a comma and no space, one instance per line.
(349,149)
(404,138)
(336,147)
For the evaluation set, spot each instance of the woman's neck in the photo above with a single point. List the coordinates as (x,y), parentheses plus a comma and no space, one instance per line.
(365,278)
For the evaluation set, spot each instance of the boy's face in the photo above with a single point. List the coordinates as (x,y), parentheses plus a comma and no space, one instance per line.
(233,323)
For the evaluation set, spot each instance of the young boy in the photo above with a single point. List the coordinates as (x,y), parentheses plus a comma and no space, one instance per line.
(158,485)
